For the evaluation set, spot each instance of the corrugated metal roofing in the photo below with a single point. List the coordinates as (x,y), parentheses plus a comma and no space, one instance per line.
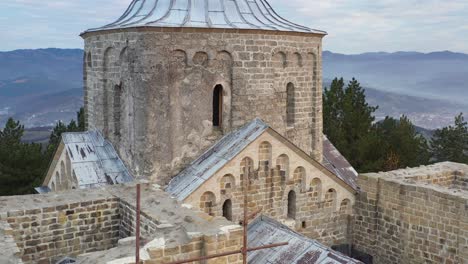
(94,160)
(265,231)
(214,159)
(230,14)
(337,163)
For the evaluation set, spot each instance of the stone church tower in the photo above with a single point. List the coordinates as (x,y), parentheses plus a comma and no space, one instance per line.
(170,77)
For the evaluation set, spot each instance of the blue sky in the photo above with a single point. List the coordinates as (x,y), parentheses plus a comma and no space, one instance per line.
(354,26)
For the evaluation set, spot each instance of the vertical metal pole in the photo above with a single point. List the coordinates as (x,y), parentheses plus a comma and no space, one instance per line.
(137,231)
(244,223)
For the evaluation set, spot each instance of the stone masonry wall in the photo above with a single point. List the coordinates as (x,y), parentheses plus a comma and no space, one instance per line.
(45,235)
(320,209)
(201,246)
(151,90)
(399,220)
(148,225)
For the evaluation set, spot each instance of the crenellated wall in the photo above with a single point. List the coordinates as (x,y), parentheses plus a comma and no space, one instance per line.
(151,90)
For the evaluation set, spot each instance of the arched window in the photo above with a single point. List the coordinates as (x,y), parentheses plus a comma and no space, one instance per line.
(227,209)
(89,62)
(345,207)
(218,105)
(292,205)
(52,186)
(227,183)
(316,188)
(207,203)
(264,154)
(330,199)
(283,163)
(290,107)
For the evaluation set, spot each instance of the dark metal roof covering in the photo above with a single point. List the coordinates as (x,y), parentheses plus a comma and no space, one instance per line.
(214,159)
(230,14)
(337,163)
(265,231)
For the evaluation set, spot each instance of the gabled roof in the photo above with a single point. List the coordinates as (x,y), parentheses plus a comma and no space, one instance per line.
(337,163)
(93,160)
(228,147)
(214,159)
(300,249)
(226,14)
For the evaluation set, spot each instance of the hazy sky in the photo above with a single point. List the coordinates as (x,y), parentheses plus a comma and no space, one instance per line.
(354,26)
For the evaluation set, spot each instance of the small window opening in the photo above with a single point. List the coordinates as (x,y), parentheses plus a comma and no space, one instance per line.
(227,209)
(218,106)
(292,205)
(304,224)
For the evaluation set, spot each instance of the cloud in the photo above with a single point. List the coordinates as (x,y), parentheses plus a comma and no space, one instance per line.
(353,25)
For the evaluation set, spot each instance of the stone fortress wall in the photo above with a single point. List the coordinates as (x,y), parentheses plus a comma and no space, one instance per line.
(151,91)
(87,225)
(417,215)
(285,186)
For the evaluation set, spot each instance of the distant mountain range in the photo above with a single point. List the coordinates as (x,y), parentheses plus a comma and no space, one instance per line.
(42,86)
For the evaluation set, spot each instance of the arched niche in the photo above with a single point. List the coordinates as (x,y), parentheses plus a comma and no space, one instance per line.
(200,58)
(345,206)
(282,162)
(227,183)
(297,59)
(279,60)
(300,178)
(264,154)
(316,188)
(208,203)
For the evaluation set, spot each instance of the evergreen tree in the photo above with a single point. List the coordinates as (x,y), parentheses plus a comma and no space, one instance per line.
(333,112)
(451,143)
(21,164)
(402,145)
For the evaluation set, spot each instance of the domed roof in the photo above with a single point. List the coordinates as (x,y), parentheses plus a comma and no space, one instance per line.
(230,14)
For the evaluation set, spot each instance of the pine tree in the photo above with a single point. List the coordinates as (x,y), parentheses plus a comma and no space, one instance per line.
(356,122)
(451,143)
(333,112)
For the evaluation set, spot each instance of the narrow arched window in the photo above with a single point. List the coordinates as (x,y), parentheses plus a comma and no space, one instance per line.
(290,107)
(63,175)
(52,186)
(292,205)
(330,199)
(218,105)
(227,209)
